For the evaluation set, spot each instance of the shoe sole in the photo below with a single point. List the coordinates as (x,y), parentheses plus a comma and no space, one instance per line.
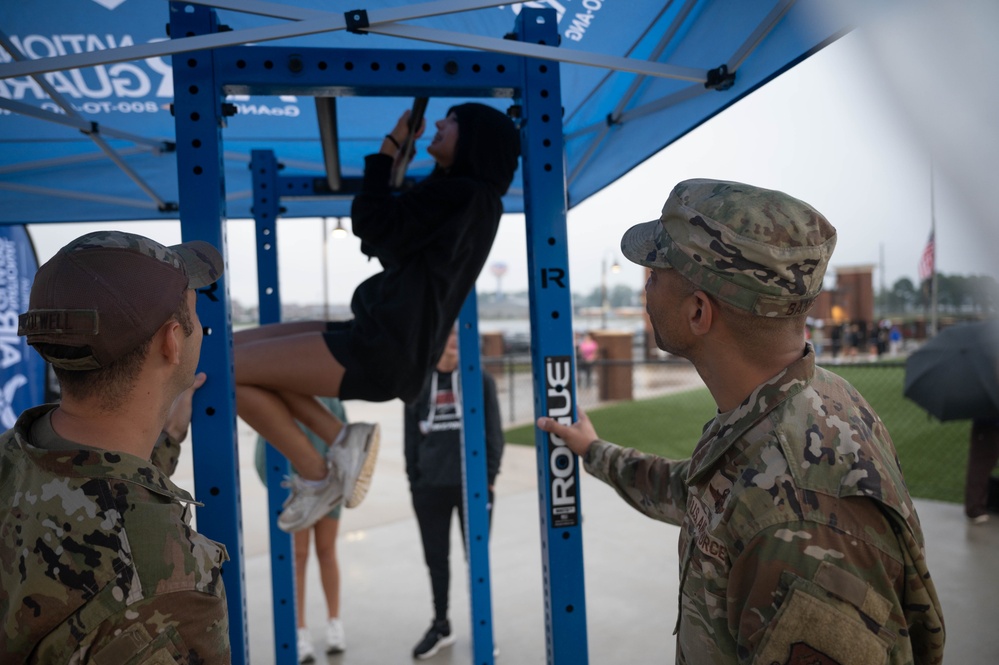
(363,483)
(444,642)
(319,511)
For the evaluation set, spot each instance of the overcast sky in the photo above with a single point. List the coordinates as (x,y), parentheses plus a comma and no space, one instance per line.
(821,132)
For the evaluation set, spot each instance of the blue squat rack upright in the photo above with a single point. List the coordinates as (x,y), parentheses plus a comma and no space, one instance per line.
(201,80)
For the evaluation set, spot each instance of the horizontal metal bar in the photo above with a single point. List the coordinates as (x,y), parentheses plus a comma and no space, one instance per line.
(69,160)
(648,108)
(314,25)
(633,65)
(423,10)
(678,97)
(84,125)
(79,196)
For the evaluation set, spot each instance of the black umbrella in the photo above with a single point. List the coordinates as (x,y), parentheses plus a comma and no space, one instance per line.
(955,375)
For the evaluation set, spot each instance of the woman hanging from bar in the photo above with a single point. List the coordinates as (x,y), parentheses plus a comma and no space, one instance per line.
(432,241)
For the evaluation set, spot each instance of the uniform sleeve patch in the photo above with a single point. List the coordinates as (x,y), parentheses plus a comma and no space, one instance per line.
(807,625)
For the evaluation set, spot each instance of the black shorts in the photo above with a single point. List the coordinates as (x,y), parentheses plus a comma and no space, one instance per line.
(375,369)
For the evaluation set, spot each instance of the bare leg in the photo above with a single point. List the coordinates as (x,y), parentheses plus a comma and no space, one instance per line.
(312,413)
(297,363)
(269,415)
(277,330)
(275,379)
(329,571)
(301,564)
(278,372)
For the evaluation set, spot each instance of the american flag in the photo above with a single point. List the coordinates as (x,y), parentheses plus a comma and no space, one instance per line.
(926,262)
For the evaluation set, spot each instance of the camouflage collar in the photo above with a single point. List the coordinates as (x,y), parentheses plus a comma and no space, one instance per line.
(728,427)
(88,462)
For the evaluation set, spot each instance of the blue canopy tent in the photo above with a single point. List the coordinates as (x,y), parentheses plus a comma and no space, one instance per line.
(100,126)
(55,163)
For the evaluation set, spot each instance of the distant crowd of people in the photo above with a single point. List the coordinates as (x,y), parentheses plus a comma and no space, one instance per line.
(849,340)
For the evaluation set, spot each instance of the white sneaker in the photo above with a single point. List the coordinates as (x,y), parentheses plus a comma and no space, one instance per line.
(336,642)
(305,652)
(353,455)
(309,502)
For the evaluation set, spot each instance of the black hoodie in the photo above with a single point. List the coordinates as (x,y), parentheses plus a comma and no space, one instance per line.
(432,242)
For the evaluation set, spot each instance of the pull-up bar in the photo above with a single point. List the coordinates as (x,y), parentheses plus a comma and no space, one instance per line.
(200,80)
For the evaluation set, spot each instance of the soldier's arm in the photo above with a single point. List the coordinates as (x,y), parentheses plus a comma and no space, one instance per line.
(166,452)
(652,485)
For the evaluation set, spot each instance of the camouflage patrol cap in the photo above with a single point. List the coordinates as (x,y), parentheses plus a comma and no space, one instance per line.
(107,292)
(756,249)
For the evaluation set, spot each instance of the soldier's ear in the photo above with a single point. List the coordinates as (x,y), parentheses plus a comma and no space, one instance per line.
(169,341)
(701,313)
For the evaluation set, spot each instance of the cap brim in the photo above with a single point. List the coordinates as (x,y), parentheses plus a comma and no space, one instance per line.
(638,244)
(203,262)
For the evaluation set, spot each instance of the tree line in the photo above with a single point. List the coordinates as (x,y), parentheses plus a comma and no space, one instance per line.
(957,294)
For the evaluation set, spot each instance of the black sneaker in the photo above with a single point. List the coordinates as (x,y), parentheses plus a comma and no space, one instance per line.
(437,637)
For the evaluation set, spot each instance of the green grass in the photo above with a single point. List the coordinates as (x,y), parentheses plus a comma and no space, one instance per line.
(932,454)
(643,424)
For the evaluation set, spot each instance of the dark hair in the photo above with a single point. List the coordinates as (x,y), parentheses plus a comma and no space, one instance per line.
(488,146)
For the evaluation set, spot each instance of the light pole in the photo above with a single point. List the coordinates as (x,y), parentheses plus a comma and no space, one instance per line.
(604,300)
(337,232)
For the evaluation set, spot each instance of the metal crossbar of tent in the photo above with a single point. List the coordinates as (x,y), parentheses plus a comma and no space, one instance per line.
(201,79)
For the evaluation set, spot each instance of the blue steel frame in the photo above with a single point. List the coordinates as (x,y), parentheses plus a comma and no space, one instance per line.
(552,346)
(200,178)
(200,81)
(266,210)
(475,481)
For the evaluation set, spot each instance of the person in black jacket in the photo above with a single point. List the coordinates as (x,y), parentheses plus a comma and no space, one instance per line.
(433,425)
(432,242)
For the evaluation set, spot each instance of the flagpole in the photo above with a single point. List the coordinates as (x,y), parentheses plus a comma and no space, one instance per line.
(933,275)
(883,300)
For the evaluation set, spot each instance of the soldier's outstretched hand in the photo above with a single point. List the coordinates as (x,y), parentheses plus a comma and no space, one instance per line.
(578,436)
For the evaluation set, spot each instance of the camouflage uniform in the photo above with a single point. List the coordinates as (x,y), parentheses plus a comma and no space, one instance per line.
(799,542)
(98,560)
(793,516)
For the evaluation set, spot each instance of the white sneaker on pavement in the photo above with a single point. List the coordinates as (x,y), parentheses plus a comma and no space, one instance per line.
(353,455)
(310,501)
(305,652)
(336,641)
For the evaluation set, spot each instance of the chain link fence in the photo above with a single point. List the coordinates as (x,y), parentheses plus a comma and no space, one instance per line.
(933,455)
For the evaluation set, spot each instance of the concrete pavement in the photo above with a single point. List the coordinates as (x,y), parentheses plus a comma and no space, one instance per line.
(631,569)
